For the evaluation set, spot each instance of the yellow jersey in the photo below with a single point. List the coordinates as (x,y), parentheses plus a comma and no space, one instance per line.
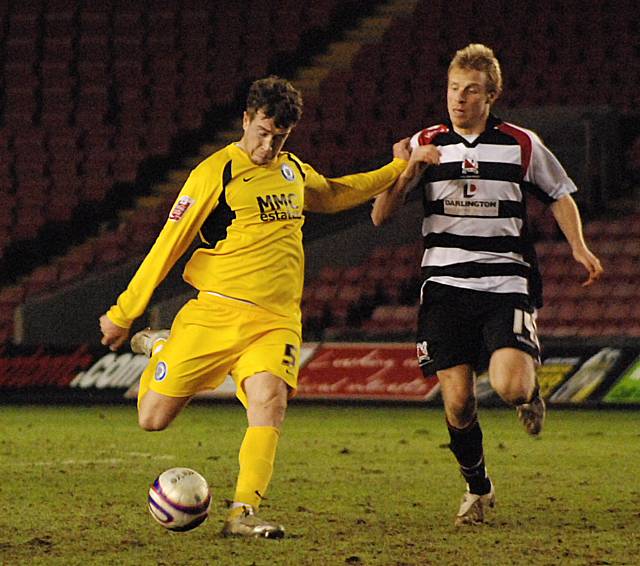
(249,220)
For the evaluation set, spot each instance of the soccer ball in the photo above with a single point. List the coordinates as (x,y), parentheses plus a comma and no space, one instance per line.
(179,499)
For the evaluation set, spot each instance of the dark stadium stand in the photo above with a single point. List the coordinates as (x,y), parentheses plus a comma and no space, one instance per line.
(93,91)
(388,290)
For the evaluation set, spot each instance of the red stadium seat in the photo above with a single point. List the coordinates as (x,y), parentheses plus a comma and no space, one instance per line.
(11,296)
(324,293)
(28,222)
(6,333)
(71,271)
(42,279)
(111,248)
(57,55)
(94,20)
(329,275)
(127,21)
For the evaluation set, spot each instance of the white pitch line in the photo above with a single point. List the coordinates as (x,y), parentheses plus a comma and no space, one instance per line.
(72,462)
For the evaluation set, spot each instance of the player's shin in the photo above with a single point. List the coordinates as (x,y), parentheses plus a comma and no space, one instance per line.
(466,445)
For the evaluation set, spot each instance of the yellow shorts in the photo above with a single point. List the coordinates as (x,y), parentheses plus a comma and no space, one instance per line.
(212,337)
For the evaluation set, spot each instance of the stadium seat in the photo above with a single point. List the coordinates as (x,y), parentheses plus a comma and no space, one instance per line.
(324,293)
(10,297)
(391,320)
(329,274)
(111,248)
(29,220)
(76,263)
(42,279)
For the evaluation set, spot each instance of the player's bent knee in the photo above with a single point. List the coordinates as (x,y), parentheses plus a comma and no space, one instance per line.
(514,393)
(156,411)
(152,423)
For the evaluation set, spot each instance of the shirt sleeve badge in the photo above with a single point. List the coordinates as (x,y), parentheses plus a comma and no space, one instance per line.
(180,208)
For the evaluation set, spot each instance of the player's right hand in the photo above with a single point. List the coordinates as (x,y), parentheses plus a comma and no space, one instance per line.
(428,154)
(113,335)
(591,263)
(421,156)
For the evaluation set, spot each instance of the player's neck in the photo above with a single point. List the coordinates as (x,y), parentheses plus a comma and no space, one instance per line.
(475,130)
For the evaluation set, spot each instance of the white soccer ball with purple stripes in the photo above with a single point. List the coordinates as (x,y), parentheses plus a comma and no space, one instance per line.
(179,499)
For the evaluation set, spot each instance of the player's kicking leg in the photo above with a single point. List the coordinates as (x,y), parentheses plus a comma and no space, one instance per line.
(148,341)
(155,411)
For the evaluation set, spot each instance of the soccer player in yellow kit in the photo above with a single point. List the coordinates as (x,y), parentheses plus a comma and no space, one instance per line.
(246,203)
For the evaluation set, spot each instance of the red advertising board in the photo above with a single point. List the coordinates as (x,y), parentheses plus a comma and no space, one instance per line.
(366,371)
(573,373)
(28,368)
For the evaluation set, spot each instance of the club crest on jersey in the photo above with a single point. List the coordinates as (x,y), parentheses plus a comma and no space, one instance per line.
(180,208)
(287,172)
(470,168)
(161,372)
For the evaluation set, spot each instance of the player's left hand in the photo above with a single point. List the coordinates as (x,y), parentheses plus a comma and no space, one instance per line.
(113,335)
(591,263)
(402,150)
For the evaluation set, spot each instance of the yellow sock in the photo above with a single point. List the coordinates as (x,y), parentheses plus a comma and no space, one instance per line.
(257,454)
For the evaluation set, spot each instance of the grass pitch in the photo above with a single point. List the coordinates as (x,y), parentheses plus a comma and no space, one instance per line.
(352,485)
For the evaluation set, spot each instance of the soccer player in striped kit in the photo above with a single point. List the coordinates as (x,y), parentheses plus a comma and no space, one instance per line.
(481,283)
(245,204)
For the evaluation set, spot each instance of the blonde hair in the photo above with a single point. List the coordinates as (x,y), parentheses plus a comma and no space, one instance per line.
(480,58)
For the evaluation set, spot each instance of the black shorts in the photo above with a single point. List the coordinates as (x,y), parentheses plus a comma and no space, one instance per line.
(460,326)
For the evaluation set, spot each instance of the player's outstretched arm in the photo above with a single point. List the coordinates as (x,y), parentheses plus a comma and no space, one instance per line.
(331,195)
(389,201)
(567,216)
(113,335)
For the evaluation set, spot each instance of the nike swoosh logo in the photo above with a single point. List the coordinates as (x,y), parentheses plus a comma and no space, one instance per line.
(247,179)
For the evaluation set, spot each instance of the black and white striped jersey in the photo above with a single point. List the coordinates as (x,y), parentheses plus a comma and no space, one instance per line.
(475,222)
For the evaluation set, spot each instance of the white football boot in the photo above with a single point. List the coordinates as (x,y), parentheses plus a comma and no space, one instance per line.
(242,521)
(472,507)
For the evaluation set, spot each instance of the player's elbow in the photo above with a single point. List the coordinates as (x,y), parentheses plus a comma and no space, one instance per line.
(321,206)
(380,213)
(377,218)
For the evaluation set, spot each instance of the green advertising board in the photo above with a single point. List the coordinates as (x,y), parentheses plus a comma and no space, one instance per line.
(627,388)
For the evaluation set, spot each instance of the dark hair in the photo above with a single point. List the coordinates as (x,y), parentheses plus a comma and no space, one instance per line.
(277,98)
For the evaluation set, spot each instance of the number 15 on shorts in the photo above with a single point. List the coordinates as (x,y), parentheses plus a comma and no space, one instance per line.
(524,327)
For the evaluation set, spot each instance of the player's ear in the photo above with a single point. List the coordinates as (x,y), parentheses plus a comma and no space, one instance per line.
(491,97)
(246,119)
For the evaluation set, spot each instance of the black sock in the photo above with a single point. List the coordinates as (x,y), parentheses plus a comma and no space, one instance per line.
(466,445)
